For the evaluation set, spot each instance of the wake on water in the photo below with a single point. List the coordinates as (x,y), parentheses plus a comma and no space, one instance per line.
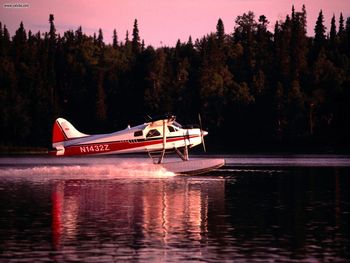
(123,170)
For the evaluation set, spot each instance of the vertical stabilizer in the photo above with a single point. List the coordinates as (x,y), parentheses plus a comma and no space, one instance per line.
(63,131)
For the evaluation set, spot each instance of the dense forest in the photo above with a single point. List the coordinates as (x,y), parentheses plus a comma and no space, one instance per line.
(256,90)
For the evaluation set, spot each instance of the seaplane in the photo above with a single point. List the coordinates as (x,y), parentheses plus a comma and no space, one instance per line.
(156,137)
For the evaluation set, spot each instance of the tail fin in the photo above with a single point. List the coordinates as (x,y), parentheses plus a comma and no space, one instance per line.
(63,131)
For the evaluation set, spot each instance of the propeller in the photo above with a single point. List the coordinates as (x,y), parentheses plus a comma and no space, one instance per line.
(202,132)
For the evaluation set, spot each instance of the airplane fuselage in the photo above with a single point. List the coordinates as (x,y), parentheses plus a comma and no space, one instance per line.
(148,137)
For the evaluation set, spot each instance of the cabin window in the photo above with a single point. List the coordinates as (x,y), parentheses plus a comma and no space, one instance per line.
(153,133)
(171,128)
(138,133)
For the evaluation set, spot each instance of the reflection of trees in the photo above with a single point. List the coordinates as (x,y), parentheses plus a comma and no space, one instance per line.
(146,216)
(299,212)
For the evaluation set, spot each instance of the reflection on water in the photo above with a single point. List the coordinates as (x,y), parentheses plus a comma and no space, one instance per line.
(159,219)
(250,214)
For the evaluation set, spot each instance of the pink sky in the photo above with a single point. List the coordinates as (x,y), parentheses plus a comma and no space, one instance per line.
(161,22)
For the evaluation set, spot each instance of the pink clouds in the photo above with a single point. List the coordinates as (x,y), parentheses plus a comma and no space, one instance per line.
(159,20)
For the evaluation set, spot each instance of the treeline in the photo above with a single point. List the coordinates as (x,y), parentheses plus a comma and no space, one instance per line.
(255,89)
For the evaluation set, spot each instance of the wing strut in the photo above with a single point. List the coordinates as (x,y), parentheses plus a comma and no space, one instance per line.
(161,157)
(183,156)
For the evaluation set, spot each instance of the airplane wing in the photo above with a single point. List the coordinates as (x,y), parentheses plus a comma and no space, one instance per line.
(158,120)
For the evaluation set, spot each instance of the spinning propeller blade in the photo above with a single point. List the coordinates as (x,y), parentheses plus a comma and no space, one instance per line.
(202,135)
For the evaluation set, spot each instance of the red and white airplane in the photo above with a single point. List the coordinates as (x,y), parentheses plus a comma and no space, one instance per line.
(157,136)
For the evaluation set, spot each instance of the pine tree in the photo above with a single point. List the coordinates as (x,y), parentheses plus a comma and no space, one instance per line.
(262,30)
(52,32)
(178,44)
(30,35)
(190,42)
(347,33)
(245,31)
(142,45)
(38,35)
(127,37)
(263,23)
(341,25)
(220,32)
(320,30)
(51,72)
(79,34)
(21,35)
(135,38)
(94,38)
(2,41)
(100,42)
(115,39)
(347,26)
(245,27)
(303,18)
(263,39)
(333,31)
(293,14)
(18,43)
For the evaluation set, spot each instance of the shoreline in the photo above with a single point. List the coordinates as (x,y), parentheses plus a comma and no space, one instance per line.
(22,150)
(30,150)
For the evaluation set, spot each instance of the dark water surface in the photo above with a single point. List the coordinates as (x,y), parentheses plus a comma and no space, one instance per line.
(103,210)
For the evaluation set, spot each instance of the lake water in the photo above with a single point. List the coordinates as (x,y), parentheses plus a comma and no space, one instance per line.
(255,209)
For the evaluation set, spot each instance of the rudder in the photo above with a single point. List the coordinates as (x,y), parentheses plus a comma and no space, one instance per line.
(63,131)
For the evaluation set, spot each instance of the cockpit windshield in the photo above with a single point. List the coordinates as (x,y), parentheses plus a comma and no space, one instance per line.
(176,124)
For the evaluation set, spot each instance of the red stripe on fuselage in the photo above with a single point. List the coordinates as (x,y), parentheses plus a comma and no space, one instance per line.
(109,147)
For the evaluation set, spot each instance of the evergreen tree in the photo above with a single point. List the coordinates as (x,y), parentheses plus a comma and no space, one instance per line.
(190,42)
(127,37)
(220,32)
(264,42)
(178,44)
(79,35)
(347,34)
(136,46)
(333,32)
(20,36)
(263,23)
(30,35)
(245,30)
(282,43)
(245,27)
(303,19)
(320,30)
(347,25)
(341,25)
(52,32)
(2,41)
(6,34)
(51,72)
(115,39)
(298,44)
(100,42)
(142,45)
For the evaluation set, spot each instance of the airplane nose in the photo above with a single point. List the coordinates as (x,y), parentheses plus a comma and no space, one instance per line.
(205,133)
